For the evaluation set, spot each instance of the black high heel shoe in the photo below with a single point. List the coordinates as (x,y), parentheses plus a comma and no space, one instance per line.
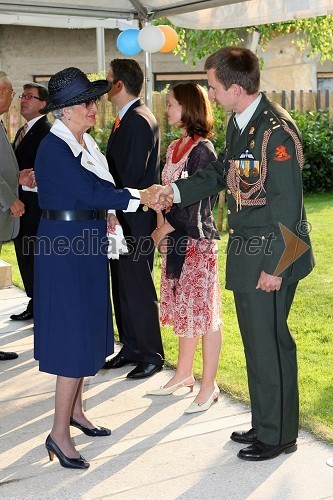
(96,431)
(69,463)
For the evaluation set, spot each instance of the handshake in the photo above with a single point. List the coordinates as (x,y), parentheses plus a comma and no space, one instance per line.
(157,197)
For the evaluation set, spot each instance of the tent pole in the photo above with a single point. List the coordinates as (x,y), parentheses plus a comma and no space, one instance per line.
(100,44)
(148,76)
(148,81)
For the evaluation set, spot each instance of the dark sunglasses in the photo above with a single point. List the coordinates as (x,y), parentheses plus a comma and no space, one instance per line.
(91,102)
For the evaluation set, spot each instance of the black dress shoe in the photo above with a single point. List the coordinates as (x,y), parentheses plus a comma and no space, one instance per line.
(117,362)
(7,355)
(144,370)
(95,431)
(246,437)
(261,451)
(24,316)
(69,463)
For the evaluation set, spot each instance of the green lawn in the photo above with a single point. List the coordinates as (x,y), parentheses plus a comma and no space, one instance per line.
(310,321)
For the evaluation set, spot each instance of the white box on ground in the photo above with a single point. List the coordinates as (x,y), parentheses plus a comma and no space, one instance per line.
(5,274)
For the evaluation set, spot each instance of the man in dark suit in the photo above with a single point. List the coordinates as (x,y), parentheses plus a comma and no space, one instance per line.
(26,142)
(133,157)
(269,248)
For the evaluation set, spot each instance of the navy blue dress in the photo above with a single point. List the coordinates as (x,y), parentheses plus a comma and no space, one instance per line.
(72,315)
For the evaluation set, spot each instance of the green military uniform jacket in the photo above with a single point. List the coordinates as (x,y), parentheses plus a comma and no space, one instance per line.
(261,170)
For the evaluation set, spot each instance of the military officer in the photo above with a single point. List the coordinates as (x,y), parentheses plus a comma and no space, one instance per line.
(268,250)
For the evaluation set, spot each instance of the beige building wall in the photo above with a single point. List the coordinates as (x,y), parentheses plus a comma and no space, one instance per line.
(27,52)
(286,67)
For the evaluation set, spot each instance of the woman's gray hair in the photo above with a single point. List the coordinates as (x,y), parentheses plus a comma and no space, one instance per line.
(58,113)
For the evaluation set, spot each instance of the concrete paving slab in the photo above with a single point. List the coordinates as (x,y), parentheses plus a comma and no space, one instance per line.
(155,451)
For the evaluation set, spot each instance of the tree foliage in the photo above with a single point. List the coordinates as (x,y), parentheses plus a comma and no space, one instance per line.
(314,35)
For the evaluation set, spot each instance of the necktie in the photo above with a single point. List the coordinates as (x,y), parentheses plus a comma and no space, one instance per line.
(22,134)
(116,123)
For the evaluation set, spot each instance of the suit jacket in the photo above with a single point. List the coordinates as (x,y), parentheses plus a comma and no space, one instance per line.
(9,225)
(262,172)
(26,154)
(133,157)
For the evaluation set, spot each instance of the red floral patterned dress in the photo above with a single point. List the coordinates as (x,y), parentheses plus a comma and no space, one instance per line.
(193,307)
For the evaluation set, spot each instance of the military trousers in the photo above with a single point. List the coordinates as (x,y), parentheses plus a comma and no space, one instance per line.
(271,362)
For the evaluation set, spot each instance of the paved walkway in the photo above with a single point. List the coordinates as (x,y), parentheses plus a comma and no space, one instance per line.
(155,452)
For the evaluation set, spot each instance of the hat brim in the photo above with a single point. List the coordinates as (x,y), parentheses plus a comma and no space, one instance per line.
(100,87)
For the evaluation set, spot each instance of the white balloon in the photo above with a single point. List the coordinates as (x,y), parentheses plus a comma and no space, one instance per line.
(151,39)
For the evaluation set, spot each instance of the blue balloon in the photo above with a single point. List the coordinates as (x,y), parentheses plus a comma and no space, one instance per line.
(127,42)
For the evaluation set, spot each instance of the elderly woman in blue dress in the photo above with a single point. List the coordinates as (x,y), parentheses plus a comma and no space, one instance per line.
(73,322)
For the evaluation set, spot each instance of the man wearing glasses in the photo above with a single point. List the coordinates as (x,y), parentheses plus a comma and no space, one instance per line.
(33,98)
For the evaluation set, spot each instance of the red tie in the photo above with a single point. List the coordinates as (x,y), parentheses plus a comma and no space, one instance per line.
(22,134)
(116,123)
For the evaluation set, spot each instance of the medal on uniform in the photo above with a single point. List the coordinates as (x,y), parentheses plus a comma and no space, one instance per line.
(247,166)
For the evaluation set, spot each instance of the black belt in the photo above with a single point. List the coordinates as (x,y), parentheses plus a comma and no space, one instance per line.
(74,215)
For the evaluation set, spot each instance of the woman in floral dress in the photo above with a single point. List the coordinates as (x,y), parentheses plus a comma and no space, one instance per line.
(190,289)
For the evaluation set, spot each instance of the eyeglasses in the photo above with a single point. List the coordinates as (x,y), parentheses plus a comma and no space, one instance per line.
(89,103)
(28,97)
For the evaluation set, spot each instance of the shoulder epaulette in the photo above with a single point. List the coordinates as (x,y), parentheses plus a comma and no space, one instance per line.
(272,119)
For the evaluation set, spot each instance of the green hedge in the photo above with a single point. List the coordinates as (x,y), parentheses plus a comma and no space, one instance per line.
(101,136)
(317,135)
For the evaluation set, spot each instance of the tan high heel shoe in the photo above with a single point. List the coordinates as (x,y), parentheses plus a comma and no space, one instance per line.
(166,391)
(196,407)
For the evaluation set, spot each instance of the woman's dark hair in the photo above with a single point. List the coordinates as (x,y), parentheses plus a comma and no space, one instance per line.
(197,117)
(236,65)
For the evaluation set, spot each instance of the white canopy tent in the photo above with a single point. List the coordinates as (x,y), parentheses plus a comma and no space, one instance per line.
(121,14)
(200,14)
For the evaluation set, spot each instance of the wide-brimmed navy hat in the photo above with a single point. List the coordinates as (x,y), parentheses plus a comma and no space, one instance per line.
(71,86)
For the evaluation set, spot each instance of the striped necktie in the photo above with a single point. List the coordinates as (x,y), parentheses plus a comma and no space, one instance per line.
(22,134)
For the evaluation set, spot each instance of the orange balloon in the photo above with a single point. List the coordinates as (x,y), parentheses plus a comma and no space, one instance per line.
(171,38)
